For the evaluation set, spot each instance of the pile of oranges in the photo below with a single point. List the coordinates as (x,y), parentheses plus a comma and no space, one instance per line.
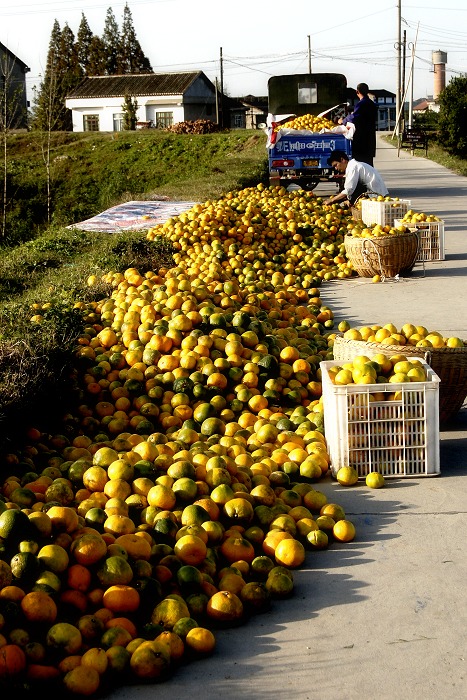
(181,493)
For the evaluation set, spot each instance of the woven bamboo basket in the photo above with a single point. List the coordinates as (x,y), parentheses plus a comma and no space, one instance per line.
(387,256)
(450,364)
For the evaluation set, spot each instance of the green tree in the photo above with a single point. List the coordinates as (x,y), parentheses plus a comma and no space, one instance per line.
(132,58)
(46,102)
(84,44)
(70,73)
(111,41)
(97,57)
(130,107)
(453,117)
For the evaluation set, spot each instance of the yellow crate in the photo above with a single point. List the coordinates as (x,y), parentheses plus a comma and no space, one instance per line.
(431,235)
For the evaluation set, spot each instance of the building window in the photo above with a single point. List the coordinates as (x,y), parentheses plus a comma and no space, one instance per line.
(118,121)
(164,120)
(90,122)
(238,121)
(208,110)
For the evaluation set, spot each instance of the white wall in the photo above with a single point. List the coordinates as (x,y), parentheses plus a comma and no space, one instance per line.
(105,108)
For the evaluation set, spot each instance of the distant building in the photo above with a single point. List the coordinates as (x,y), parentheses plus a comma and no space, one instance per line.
(163,99)
(13,80)
(426,104)
(257,111)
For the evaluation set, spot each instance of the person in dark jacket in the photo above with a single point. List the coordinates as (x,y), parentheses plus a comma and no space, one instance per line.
(364,119)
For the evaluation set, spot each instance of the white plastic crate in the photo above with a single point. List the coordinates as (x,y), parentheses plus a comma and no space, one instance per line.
(397,434)
(431,238)
(384,213)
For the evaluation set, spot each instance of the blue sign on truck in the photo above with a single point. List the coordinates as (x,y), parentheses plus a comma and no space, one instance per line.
(301,157)
(303,160)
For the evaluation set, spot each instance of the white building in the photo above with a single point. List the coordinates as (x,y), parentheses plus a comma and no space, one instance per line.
(162,99)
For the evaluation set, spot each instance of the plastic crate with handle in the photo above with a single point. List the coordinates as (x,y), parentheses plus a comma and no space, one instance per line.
(384,213)
(392,428)
(431,234)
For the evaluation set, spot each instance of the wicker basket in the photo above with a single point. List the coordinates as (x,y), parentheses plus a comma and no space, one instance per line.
(450,364)
(355,253)
(356,213)
(387,256)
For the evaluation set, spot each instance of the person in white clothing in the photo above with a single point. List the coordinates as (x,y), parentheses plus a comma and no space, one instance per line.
(360,178)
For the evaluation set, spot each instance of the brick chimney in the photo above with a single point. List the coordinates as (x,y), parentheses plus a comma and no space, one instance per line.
(440,58)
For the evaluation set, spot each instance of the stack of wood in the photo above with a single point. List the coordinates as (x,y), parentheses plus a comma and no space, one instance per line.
(200,126)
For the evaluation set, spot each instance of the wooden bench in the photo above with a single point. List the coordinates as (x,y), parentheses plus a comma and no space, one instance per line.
(413,138)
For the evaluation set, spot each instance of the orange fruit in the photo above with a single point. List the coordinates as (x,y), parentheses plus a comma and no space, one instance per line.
(279,584)
(63,518)
(88,549)
(174,643)
(69,663)
(290,553)
(119,524)
(161,496)
(54,558)
(236,547)
(347,476)
(317,539)
(314,500)
(225,607)
(82,680)
(104,456)
(96,658)
(272,539)
(12,661)
(200,640)
(38,606)
(190,549)
(91,627)
(254,596)
(344,531)
(114,570)
(64,638)
(150,660)
(136,547)
(121,598)
(78,577)
(95,478)
(119,659)
(334,510)
(115,636)
(169,611)
(231,582)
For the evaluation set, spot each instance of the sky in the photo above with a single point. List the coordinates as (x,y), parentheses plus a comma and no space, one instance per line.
(244,43)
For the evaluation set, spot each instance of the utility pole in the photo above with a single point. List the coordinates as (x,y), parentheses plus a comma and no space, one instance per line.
(399,46)
(404,44)
(309,54)
(222,91)
(217,102)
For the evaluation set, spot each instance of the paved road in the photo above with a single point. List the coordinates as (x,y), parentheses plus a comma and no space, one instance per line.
(382,618)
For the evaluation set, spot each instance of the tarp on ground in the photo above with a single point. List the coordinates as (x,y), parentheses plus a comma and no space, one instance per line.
(133,216)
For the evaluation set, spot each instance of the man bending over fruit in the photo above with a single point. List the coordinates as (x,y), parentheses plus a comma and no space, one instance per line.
(360,178)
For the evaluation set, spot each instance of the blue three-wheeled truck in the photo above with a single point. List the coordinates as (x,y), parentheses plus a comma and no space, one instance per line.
(300,157)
